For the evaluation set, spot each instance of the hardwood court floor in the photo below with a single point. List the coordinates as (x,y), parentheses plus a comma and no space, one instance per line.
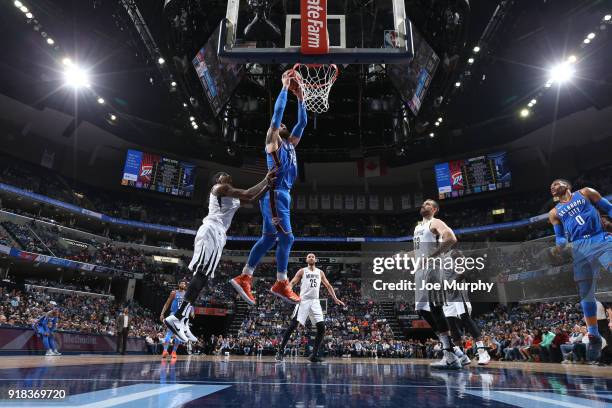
(147,381)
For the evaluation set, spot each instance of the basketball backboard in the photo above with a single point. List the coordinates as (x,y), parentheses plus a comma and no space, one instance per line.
(360,32)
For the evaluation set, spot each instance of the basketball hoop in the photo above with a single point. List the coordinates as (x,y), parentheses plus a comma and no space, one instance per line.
(315,81)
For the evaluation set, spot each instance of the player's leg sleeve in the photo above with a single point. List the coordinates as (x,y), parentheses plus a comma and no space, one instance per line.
(287,335)
(586,290)
(470,326)
(438,315)
(285,242)
(318,338)
(263,245)
(455,329)
(426,314)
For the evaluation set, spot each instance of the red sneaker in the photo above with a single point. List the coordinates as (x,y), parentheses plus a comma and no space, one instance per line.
(282,289)
(165,354)
(242,285)
(173,355)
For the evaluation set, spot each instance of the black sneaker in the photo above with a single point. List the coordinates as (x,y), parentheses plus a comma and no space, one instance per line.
(315,359)
(279,357)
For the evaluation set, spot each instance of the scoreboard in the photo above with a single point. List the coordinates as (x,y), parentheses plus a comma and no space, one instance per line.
(156,173)
(459,178)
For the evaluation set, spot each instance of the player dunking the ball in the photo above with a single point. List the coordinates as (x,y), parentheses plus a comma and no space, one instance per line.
(311,278)
(275,205)
(577,222)
(223,202)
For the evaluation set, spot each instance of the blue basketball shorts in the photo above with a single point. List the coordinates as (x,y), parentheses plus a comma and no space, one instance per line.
(591,255)
(276,203)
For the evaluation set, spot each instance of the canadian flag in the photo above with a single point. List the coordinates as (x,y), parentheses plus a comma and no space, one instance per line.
(371,167)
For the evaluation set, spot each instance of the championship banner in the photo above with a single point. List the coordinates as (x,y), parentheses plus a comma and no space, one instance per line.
(361,202)
(349,202)
(313,202)
(373,202)
(15,339)
(337,201)
(314,27)
(418,199)
(406,202)
(325,202)
(388,203)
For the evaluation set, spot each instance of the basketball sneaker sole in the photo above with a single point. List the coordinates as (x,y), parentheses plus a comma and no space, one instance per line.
(174,330)
(241,292)
(286,299)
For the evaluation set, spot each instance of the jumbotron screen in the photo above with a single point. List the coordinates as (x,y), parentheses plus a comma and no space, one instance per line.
(156,173)
(460,178)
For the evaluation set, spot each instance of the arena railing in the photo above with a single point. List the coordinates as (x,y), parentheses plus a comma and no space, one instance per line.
(167,228)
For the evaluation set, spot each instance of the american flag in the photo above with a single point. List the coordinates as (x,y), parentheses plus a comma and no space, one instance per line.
(255,165)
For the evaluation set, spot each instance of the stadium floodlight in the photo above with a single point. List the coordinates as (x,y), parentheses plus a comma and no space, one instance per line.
(561,73)
(607,17)
(24,9)
(440,119)
(437,124)
(173,84)
(161,61)
(66,61)
(184,104)
(18,4)
(29,16)
(524,112)
(572,59)
(112,117)
(470,60)
(586,41)
(101,101)
(548,84)
(432,135)
(191,118)
(591,36)
(533,101)
(76,77)
(457,84)
(476,49)
(50,41)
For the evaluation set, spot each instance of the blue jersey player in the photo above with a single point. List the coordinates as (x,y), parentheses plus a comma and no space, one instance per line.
(577,222)
(173,302)
(45,327)
(275,205)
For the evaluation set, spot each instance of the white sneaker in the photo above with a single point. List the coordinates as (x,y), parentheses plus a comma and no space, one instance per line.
(177,327)
(57,353)
(449,362)
(49,353)
(463,358)
(188,333)
(483,357)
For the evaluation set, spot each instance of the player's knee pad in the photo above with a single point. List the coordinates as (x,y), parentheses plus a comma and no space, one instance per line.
(589,308)
(320,328)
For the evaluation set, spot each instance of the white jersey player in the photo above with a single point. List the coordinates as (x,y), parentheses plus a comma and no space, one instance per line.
(223,202)
(310,279)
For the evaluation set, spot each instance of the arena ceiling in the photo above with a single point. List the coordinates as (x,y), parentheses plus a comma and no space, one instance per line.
(520,41)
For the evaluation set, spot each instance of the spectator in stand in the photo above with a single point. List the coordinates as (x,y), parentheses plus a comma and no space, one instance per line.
(527,343)
(123,328)
(567,349)
(545,346)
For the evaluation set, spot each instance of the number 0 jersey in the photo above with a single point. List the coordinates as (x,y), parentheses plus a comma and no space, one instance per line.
(579,217)
(311,281)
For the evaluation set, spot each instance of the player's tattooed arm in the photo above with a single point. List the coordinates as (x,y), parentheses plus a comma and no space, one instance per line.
(296,278)
(331,290)
(446,234)
(601,202)
(167,305)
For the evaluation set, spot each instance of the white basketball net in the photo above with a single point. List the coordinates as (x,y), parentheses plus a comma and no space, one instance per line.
(316,82)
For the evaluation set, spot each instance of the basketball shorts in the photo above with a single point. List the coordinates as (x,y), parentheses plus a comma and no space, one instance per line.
(423,297)
(308,308)
(169,336)
(279,205)
(207,248)
(591,255)
(456,309)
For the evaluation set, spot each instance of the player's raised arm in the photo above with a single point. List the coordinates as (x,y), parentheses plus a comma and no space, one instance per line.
(601,202)
(296,278)
(331,290)
(446,234)
(273,139)
(553,218)
(167,305)
(252,194)
(298,129)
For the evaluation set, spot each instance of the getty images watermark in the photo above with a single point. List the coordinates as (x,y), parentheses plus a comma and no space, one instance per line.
(430,273)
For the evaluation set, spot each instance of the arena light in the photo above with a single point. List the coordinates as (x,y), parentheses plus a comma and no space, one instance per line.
(112,117)
(24,9)
(607,17)
(432,135)
(437,124)
(191,118)
(184,104)
(29,16)
(161,61)
(548,84)
(586,41)
(457,84)
(533,102)
(18,4)
(76,77)
(440,119)
(591,36)
(470,60)
(67,61)
(561,73)
(476,49)
(572,59)
(50,41)
(524,112)
(101,101)
(173,84)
